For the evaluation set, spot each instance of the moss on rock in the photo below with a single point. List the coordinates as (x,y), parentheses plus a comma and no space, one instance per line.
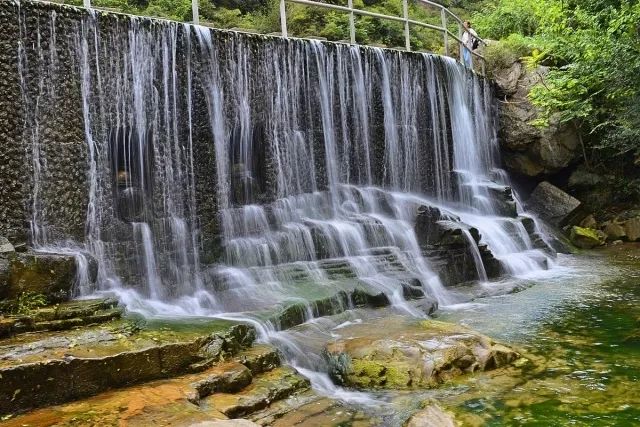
(586,238)
(394,354)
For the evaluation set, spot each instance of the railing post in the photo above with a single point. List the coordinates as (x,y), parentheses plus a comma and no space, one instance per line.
(87,4)
(405,11)
(352,24)
(283,18)
(460,43)
(445,33)
(194,11)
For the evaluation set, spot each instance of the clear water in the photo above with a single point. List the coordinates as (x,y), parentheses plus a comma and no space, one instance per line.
(580,328)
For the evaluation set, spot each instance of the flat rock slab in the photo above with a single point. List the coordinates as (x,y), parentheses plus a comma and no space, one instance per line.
(310,410)
(160,402)
(397,353)
(62,316)
(50,368)
(277,384)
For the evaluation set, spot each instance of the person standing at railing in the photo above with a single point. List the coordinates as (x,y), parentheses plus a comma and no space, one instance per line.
(469,43)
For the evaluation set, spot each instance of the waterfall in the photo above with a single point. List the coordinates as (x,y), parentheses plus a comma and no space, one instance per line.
(228,174)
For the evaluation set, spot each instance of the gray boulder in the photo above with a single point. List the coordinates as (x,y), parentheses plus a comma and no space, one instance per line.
(5,246)
(632,229)
(530,150)
(49,274)
(555,206)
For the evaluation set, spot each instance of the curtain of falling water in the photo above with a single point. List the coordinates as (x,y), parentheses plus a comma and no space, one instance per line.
(322,156)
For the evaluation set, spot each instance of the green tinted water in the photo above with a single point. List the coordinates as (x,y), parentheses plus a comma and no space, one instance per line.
(581,334)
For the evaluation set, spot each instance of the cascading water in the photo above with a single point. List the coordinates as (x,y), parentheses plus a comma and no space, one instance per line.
(229,174)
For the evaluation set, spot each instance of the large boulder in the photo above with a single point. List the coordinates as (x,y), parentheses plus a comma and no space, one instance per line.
(593,189)
(397,354)
(632,229)
(555,206)
(48,274)
(587,238)
(614,231)
(530,150)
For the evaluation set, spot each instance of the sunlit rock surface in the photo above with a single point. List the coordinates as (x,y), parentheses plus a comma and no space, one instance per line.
(394,353)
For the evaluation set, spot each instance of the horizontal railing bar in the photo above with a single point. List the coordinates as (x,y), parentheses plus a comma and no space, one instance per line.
(346,9)
(405,20)
(424,24)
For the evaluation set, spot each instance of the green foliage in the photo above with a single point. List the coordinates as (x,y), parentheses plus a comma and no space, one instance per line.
(500,19)
(27,302)
(503,53)
(592,49)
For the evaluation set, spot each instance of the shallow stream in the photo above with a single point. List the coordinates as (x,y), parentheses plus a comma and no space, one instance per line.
(578,326)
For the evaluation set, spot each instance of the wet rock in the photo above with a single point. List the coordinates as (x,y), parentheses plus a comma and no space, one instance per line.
(431,416)
(52,275)
(5,271)
(555,206)
(428,231)
(587,238)
(418,355)
(274,385)
(90,361)
(632,229)
(226,378)
(528,223)
(502,200)
(65,316)
(492,265)
(259,359)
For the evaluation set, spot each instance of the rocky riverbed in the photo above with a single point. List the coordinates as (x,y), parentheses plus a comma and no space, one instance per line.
(563,351)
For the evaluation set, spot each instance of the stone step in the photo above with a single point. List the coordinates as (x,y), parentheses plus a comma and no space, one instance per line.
(265,389)
(62,316)
(233,376)
(34,366)
(259,359)
(173,401)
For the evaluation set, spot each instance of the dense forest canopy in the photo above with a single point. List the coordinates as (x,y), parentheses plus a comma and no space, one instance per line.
(591,46)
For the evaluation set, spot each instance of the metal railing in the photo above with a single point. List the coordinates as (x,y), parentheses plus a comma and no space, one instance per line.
(353,12)
(405,20)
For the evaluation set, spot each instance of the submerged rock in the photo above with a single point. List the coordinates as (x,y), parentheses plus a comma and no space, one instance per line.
(431,416)
(408,356)
(587,238)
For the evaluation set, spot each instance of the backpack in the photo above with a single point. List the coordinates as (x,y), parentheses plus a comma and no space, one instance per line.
(475,43)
